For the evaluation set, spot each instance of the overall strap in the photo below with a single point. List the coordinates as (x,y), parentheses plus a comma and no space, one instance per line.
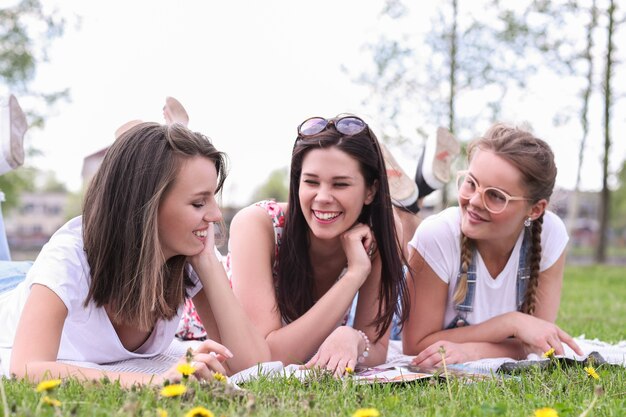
(523,269)
(467,304)
(523,275)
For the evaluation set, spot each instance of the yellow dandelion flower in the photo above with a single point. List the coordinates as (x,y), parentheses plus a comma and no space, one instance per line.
(349,370)
(546,412)
(186,369)
(549,353)
(199,412)
(219,377)
(591,372)
(48,385)
(366,412)
(161,412)
(173,390)
(51,401)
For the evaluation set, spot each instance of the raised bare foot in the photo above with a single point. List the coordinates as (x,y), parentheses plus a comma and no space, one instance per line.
(174,112)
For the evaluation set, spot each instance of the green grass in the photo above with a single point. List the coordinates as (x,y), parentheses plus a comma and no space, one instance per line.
(616,251)
(593,304)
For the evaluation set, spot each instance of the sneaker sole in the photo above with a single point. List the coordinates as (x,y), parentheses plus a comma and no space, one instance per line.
(401,187)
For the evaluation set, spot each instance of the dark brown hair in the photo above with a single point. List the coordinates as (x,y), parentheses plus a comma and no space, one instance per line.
(535,161)
(294,286)
(129,273)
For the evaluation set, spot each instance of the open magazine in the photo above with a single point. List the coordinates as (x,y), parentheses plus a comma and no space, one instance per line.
(396,369)
(399,370)
(383,374)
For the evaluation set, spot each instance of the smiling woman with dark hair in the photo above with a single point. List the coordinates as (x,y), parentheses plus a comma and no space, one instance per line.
(297,266)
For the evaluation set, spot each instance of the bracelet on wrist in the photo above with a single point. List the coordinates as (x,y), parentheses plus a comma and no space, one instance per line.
(366,351)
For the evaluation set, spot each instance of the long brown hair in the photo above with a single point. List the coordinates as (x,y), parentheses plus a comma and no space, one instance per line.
(129,273)
(534,158)
(294,285)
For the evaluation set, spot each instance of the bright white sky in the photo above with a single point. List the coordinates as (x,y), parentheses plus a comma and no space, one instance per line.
(248,72)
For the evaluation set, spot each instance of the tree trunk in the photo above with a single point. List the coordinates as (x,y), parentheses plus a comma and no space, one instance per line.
(605,199)
(572,212)
(452,96)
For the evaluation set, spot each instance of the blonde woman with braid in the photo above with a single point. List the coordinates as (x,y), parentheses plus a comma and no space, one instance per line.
(487,274)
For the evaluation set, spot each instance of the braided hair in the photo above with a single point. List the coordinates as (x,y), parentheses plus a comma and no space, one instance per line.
(535,160)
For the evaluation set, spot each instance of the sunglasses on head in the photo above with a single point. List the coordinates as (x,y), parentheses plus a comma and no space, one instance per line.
(346,125)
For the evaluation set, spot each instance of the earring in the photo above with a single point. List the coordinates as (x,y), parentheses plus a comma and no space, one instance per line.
(528,222)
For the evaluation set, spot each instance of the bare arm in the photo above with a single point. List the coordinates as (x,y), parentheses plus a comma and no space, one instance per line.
(223,317)
(252,250)
(549,289)
(367,308)
(423,332)
(36,346)
(429,296)
(545,335)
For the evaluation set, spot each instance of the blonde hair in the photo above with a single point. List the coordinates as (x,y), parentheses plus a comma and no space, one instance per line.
(535,160)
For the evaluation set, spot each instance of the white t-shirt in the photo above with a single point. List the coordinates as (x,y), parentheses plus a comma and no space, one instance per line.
(88,335)
(438,238)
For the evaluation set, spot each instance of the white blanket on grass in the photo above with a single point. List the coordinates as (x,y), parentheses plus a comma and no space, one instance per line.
(612,353)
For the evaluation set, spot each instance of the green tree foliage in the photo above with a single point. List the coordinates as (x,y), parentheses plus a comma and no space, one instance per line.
(468,51)
(571,54)
(578,55)
(26,32)
(469,59)
(275,187)
(472,52)
(580,63)
(15,182)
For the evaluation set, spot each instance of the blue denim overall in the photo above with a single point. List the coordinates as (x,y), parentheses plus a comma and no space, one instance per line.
(523,274)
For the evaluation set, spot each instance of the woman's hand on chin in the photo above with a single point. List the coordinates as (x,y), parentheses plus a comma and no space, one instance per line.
(357,243)
(207,254)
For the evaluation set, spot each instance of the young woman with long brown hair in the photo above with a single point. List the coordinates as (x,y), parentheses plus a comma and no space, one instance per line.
(110,284)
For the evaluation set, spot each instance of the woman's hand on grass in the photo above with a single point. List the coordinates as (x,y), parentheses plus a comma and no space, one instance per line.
(432,357)
(540,335)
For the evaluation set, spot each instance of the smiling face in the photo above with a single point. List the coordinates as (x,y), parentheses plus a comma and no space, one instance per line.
(188,207)
(332,192)
(491,170)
